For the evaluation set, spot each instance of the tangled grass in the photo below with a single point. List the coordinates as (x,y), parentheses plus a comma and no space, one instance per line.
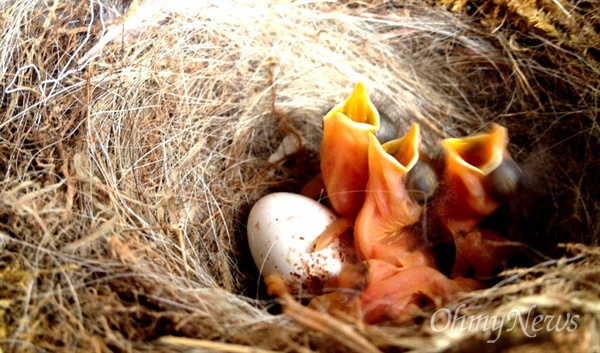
(135,138)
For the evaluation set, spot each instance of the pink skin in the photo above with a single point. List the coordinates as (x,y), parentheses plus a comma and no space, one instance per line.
(376,291)
(403,294)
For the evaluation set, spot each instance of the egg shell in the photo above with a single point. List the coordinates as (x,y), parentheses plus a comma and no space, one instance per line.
(282,229)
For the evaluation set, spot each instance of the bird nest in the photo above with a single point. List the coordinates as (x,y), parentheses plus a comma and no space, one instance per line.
(136,137)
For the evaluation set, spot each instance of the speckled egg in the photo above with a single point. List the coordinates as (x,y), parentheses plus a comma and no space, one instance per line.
(282,229)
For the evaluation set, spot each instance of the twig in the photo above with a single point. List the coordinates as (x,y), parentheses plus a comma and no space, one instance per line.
(210,345)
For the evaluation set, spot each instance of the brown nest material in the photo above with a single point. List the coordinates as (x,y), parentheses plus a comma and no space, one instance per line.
(134,140)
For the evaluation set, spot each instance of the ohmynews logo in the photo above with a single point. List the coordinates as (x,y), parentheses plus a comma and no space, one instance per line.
(529,324)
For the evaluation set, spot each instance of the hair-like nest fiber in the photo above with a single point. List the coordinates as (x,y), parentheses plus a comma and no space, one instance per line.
(134,139)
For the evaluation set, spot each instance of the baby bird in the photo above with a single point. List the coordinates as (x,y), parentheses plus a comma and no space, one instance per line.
(478,173)
(384,227)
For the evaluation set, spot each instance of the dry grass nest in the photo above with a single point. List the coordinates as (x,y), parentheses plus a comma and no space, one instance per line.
(134,139)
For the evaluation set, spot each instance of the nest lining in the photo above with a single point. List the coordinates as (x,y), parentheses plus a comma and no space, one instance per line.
(129,171)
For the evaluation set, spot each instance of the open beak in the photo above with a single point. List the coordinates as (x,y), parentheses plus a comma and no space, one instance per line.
(468,162)
(383,226)
(344,151)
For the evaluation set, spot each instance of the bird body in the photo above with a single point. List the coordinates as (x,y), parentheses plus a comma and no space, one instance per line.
(375,291)
(405,291)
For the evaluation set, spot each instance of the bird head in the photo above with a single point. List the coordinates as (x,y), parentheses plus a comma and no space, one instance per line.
(383,228)
(470,168)
(389,165)
(344,151)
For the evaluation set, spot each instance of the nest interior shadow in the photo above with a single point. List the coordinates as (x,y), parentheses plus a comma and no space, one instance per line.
(135,139)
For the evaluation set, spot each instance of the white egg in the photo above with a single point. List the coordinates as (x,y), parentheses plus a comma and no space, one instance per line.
(282,229)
